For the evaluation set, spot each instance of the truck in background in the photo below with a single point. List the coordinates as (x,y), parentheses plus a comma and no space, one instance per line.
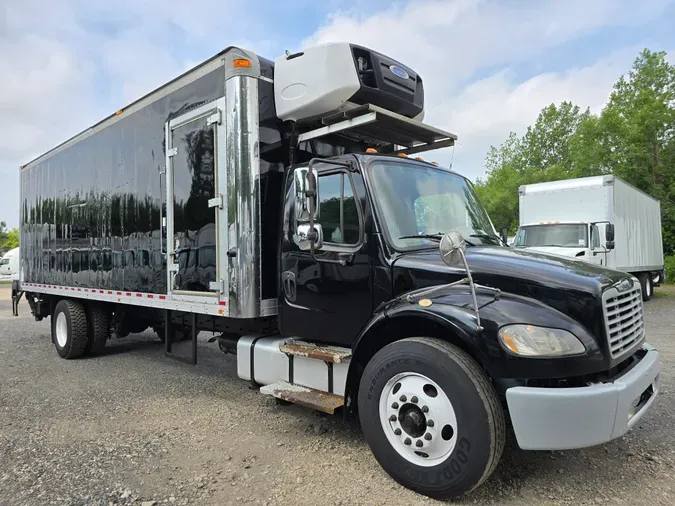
(282,207)
(9,264)
(601,220)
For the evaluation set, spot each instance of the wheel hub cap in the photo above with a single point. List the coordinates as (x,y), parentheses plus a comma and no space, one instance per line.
(61,330)
(418,419)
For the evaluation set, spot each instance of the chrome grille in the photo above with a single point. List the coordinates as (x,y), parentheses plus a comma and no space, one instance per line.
(623,318)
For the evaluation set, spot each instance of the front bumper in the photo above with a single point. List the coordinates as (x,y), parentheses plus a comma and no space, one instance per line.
(566,418)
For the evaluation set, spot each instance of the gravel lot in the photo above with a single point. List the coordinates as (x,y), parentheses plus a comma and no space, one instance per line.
(134,427)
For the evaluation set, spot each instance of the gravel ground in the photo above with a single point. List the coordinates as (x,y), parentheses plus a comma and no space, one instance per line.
(134,427)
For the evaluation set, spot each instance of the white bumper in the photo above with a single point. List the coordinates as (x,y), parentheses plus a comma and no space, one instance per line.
(566,418)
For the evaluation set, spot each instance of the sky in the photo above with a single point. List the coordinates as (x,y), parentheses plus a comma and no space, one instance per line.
(488,66)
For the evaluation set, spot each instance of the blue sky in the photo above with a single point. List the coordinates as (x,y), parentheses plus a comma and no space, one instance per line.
(489,66)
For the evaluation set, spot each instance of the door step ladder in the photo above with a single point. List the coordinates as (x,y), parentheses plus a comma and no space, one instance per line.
(302,356)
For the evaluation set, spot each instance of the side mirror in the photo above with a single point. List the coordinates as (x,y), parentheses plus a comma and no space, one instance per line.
(452,248)
(302,200)
(504,235)
(303,237)
(609,233)
(609,245)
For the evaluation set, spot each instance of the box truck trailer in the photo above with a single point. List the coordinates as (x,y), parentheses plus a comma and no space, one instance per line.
(278,206)
(600,220)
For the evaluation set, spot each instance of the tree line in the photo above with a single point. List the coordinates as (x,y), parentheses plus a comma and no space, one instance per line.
(9,239)
(633,137)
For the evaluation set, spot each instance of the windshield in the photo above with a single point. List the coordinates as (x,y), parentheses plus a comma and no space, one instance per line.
(560,235)
(417,200)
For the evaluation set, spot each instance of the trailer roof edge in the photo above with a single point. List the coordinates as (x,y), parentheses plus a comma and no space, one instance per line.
(178,82)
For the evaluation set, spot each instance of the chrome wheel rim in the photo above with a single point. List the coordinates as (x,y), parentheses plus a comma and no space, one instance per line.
(61,330)
(418,419)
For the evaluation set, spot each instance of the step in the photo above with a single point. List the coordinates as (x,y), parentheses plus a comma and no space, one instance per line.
(332,354)
(308,397)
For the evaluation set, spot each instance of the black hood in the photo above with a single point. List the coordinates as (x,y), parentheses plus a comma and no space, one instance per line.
(570,286)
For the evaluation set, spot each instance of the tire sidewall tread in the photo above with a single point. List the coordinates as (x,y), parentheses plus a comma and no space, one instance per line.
(76,322)
(458,375)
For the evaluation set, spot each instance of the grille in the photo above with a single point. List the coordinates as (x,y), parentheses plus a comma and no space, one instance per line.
(623,319)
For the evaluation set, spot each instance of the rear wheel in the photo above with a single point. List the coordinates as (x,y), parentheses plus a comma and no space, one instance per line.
(431,417)
(69,328)
(647,286)
(99,329)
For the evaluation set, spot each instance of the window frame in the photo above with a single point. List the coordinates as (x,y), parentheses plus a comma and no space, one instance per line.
(335,246)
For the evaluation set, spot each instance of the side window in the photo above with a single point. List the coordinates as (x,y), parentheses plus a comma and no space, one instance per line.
(595,237)
(338,213)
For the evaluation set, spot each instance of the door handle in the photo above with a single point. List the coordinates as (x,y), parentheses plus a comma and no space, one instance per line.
(345,258)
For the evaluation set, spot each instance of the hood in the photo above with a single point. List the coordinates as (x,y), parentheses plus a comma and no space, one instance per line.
(566,284)
(506,268)
(557,251)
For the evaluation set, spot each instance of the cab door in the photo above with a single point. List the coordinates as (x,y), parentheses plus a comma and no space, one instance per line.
(195,190)
(328,297)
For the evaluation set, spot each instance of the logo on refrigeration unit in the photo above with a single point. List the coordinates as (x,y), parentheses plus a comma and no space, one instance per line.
(398,71)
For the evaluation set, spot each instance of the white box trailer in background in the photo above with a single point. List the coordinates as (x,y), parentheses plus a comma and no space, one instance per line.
(572,218)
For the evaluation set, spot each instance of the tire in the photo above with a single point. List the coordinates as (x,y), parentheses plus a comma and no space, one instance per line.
(99,330)
(459,458)
(647,286)
(69,328)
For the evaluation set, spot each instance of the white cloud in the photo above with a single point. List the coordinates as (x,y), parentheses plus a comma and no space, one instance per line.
(464,51)
(65,65)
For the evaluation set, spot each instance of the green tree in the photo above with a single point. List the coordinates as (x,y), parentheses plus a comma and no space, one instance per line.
(12,240)
(632,138)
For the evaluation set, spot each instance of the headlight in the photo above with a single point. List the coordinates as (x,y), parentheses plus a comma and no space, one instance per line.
(531,341)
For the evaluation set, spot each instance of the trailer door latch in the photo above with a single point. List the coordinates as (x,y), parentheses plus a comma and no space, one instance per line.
(216,201)
(217,286)
(214,119)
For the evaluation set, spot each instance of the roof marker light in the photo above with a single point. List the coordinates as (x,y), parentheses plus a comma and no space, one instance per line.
(241,63)
(371,150)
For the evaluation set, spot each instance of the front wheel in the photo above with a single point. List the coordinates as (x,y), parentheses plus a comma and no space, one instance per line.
(431,417)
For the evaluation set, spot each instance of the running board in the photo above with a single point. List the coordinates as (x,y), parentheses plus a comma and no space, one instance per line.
(308,397)
(330,354)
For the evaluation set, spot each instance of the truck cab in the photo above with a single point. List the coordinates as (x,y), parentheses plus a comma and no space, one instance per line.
(579,240)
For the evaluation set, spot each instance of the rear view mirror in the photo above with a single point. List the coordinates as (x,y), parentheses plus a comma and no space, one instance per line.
(504,235)
(303,237)
(302,200)
(609,233)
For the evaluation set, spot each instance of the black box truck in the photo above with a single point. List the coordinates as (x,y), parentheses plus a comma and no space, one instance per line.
(281,206)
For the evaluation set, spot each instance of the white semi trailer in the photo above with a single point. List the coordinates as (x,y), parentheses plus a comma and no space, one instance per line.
(601,220)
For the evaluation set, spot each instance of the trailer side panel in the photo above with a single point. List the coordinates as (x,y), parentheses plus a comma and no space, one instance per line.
(638,236)
(91,212)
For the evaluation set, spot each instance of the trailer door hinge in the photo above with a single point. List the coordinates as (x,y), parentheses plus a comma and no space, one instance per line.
(217,286)
(172,152)
(216,201)
(214,118)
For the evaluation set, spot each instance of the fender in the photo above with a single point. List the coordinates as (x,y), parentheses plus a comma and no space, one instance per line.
(450,317)
(395,320)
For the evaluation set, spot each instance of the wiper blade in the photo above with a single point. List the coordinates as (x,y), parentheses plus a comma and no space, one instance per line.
(436,237)
(487,236)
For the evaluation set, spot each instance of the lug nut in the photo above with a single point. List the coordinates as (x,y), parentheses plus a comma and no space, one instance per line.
(397,432)
(425,409)
(395,405)
(403,398)
(419,443)
(407,441)
(392,418)
(430,423)
(427,436)
(414,399)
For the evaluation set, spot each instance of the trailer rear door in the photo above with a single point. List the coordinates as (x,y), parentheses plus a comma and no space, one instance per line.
(192,222)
